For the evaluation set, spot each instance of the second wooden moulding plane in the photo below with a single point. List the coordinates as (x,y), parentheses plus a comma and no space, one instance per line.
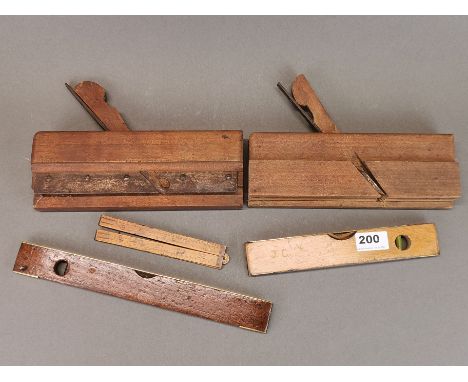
(121,169)
(328,169)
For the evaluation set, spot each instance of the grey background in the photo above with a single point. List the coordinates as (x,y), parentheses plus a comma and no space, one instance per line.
(374,74)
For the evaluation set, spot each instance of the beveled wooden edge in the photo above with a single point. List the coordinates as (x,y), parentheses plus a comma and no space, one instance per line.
(351,204)
(346,232)
(256,137)
(297,133)
(139,202)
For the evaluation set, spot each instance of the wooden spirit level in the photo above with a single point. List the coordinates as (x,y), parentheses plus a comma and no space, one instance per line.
(147,288)
(159,242)
(335,170)
(129,170)
(374,245)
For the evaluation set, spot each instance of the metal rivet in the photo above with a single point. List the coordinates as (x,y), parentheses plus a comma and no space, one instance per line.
(228,176)
(126,177)
(48,178)
(23,267)
(87,178)
(183,177)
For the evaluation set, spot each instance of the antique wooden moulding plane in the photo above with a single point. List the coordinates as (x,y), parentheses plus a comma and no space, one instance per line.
(119,169)
(148,288)
(329,169)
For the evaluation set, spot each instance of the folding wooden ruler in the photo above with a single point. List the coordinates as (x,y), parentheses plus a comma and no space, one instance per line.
(153,240)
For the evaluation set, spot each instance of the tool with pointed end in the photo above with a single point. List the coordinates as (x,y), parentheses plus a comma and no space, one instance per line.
(147,288)
(92,97)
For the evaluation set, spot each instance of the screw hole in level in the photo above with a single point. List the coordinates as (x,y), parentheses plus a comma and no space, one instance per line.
(402,242)
(61,267)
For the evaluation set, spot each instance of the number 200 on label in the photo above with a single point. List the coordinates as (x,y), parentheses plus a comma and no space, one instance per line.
(371,241)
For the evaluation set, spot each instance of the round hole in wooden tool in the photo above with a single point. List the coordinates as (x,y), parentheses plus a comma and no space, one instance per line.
(402,242)
(61,267)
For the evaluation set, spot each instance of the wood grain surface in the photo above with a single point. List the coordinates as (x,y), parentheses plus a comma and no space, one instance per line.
(158,248)
(321,179)
(92,97)
(306,97)
(147,288)
(300,253)
(352,203)
(418,180)
(336,147)
(137,202)
(159,242)
(311,179)
(352,171)
(137,146)
(126,226)
(150,170)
